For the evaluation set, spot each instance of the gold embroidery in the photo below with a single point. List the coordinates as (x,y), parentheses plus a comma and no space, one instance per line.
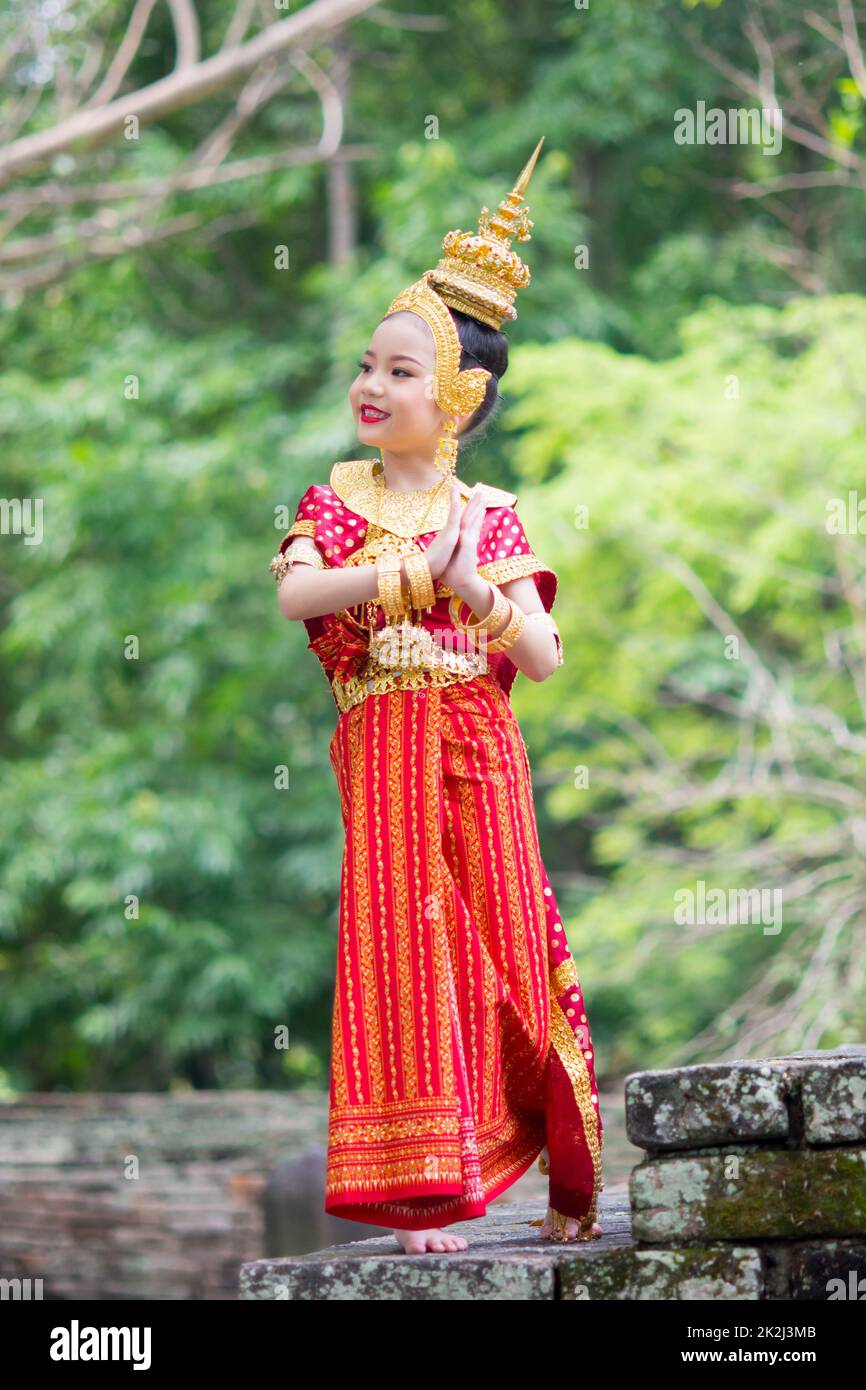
(361,918)
(371,907)
(513,567)
(574,1062)
(381,711)
(480,913)
(534,902)
(564,975)
(482,1104)
(379,1147)
(531,908)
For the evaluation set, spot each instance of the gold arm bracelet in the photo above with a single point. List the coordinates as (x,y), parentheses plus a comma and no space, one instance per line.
(390,584)
(515,627)
(421,588)
(496,615)
(284,561)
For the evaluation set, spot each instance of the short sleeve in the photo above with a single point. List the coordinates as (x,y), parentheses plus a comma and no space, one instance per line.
(504,553)
(337,531)
(334,530)
(308,522)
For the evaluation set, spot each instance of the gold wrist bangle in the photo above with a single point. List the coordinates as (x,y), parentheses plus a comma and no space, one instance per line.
(497,613)
(390,585)
(421,588)
(512,632)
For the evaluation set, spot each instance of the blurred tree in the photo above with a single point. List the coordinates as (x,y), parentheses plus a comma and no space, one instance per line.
(164,401)
(706,515)
(165,906)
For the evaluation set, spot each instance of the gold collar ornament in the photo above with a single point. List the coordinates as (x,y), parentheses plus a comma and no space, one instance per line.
(479,275)
(407,514)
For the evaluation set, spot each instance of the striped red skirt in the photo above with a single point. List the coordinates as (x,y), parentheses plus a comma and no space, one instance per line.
(460,1040)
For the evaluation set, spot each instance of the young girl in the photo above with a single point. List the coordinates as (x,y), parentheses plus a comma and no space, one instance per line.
(461,1048)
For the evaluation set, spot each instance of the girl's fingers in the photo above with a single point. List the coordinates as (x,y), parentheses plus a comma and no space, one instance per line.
(473,514)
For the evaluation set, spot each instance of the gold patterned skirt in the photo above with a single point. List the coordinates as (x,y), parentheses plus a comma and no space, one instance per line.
(460,1041)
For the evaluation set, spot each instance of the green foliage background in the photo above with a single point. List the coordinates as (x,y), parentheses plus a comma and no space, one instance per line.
(676,418)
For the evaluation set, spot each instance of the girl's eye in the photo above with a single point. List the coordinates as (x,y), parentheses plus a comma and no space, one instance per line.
(364,366)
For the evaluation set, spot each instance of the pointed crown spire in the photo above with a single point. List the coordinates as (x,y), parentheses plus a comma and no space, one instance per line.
(479,273)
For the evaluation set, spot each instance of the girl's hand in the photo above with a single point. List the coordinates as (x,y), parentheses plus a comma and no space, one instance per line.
(462,567)
(439,550)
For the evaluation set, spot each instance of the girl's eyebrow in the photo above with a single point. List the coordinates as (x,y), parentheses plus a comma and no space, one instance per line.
(397,357)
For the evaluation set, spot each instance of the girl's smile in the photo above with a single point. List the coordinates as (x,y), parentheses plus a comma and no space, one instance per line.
(392,400)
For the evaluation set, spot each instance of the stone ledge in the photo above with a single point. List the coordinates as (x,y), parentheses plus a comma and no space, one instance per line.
(506,1259)
(804,1098)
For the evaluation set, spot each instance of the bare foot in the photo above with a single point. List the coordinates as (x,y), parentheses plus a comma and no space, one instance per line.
(419,1242)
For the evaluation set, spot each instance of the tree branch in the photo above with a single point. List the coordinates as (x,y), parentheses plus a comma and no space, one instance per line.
(183,87)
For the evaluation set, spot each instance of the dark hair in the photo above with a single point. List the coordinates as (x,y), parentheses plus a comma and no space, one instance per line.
(483,346)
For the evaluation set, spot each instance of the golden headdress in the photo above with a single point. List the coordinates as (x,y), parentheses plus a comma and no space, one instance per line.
(479,275)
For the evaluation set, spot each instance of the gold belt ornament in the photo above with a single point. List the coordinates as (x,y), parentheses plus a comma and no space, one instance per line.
(407,656)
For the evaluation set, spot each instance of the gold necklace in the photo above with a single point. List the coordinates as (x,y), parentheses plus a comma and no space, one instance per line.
(437,487)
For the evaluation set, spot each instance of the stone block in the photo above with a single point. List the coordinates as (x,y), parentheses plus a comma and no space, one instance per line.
(456,1277)
(737,1193)
(695,1107)
(728,1272)
(800,1099)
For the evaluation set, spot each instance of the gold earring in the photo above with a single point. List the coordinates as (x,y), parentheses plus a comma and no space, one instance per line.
(445,458)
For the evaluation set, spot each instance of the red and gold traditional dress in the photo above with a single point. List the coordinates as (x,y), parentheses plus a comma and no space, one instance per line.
(460,1044)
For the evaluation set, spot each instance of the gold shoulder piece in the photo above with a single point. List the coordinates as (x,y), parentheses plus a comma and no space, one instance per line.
(497,496)
(402,513)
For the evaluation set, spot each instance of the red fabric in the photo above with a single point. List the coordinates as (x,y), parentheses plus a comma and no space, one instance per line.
(338,530)
(503,536)
(341,649)
(337,533)
(447,1073)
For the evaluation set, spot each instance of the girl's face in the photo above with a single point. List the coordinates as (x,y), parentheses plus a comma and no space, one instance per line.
(396,378)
